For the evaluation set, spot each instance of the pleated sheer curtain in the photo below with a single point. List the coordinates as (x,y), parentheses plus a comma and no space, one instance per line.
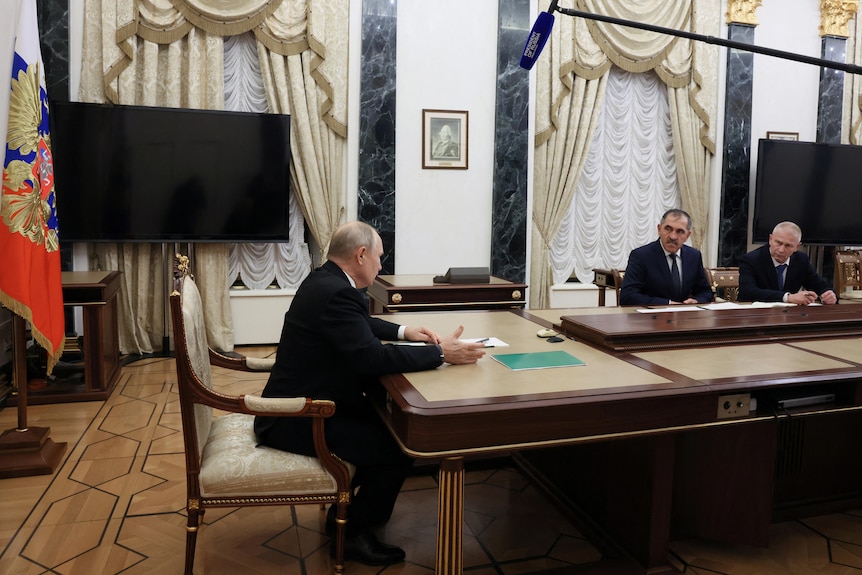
(629,176)
(280,56)
(574,83)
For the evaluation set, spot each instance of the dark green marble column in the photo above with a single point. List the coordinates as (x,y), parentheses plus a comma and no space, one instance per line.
(511,145)
(736,166)
(377,123)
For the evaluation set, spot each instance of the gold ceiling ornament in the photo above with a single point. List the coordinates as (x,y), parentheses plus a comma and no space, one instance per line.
(834,16)
(743,11)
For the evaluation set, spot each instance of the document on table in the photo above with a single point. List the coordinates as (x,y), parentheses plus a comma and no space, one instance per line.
(669,308)
(537,360)
(488,341)
(722,305)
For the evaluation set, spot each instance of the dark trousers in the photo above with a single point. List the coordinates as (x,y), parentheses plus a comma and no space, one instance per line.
(359,437)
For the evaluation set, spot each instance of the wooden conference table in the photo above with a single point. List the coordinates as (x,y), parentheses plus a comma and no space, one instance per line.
(670,443)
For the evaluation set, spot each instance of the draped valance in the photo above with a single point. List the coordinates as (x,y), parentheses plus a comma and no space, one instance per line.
(588,48)
(283,27)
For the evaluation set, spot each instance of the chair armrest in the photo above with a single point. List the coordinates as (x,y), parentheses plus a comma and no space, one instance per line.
(275,405)
(260,363)
(286,406)
(240,363)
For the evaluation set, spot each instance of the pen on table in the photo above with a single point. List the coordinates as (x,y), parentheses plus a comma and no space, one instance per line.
(484,340)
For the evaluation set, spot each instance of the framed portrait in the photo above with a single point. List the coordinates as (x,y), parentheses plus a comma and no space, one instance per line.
(789,136)
(444,139)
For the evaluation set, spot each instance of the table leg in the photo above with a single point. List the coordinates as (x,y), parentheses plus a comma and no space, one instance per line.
(450,517)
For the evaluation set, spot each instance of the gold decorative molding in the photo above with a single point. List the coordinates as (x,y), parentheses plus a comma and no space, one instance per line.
(743,11)
(834,16)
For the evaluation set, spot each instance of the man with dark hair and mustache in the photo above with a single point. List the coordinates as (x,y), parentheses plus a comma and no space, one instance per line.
(666,271)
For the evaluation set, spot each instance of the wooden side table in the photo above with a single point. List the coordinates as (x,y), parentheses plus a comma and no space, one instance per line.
(391,293)
(96,293)
(605,279)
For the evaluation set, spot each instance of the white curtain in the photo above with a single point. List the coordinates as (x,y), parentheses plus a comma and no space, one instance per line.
(629,177)
(583,51)
(259,265)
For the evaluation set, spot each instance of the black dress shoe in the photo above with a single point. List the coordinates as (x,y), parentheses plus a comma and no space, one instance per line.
(365,548)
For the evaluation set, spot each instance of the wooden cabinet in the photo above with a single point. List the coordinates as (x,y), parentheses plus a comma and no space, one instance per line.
(391,293)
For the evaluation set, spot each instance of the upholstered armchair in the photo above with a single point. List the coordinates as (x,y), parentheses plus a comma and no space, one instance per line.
(225,467)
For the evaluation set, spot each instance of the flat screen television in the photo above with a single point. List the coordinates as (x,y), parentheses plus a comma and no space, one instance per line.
(818,186)
(143,174)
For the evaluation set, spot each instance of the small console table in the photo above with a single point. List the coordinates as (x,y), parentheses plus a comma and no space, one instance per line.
(607,279)
(96,293)
(391,293)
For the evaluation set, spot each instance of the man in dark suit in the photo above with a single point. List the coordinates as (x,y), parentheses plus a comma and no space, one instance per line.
(666,271)
(777,272)
(330,348)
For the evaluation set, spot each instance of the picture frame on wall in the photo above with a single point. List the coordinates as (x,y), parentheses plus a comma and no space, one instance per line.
(789,136)
(444,139)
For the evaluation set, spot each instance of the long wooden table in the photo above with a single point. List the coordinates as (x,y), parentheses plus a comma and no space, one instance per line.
(663,448)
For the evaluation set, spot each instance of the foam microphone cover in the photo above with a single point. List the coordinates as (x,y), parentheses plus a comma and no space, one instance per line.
(536,40)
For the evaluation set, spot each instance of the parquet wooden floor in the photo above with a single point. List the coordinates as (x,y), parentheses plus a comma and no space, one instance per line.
(115,505)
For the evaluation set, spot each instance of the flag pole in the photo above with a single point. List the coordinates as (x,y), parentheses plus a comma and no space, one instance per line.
(24,450)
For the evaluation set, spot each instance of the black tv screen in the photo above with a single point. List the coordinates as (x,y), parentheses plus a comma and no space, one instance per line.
(142,174)
(818,186)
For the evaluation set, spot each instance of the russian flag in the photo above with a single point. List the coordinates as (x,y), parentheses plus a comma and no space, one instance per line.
(30,280)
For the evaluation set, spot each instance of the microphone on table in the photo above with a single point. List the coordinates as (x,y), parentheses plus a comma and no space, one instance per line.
(538,36)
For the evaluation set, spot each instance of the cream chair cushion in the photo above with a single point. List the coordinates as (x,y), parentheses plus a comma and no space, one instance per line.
(235,465)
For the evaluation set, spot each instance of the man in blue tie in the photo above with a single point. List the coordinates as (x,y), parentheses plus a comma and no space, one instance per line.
(666,271)
(778,272)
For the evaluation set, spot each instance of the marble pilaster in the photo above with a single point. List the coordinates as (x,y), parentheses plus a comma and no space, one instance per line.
(830,101)
(53,16)
(831,92)
(376,202)
(511,141)
(53,22)
(736,166)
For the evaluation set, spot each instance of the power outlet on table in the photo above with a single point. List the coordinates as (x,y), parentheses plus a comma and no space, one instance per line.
(738,405)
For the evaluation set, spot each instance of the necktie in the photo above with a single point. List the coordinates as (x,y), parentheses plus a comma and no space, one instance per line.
(674,278)
(779,269)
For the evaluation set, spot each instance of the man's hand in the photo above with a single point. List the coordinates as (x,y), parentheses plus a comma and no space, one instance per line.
(828,297)
(457,351)
(802,297)
(421,334)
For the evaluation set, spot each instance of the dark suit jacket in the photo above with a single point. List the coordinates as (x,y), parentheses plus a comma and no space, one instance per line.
(759,282)
(330,348)
(647,280)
